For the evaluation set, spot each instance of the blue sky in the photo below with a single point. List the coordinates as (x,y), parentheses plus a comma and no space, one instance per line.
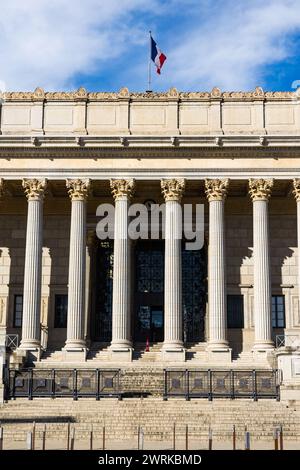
(103,44)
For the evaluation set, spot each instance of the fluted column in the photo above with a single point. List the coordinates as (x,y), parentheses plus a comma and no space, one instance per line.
(78,191)
(296,192)
(172,190)
(260,192)
(216,191)
(122,191)
(31,334)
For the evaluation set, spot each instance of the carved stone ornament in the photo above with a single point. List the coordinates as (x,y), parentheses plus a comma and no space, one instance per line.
(124,93)
(121,188)
(296,190)
(81,94)
(260,189)
(172,93)
(78,189)
(216,189)
(216,92)
(172,189)
(34,188)
(39,94)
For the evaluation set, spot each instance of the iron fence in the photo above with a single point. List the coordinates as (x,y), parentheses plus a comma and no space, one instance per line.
(11,341)
(75,383)
(288,341)
(221,384)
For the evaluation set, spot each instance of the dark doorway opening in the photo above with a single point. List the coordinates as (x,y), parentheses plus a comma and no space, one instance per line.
(149,291)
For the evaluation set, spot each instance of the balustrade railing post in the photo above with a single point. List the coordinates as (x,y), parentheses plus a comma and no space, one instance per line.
(232,384)
(281,437)
(210,393)
(75,396)
(44,438)
(165,397)
(254,381)
(1,437)
(53,384)
(118,385)
(98,384)
(277,383)
(187,382)
(30,384)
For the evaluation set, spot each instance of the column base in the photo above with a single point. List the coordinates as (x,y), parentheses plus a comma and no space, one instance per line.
(173,352)
(219,352)
(31,353)
(121,354)
(263,347)
(74,354)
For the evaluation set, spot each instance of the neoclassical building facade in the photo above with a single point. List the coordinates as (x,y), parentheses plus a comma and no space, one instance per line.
(73,298)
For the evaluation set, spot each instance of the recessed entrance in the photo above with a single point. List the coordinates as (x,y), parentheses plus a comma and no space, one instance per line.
(150,324)
(147,298)
(149,287)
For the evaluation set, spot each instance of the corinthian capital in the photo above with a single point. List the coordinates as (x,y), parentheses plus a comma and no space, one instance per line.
(172,189)
(122,188)
(296,190)
(34,188)
(78,189)
(260,189)
(216,190)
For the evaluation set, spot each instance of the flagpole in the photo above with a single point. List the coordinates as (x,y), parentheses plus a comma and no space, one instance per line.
(149,64)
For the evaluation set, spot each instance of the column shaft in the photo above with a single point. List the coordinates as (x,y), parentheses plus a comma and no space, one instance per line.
(216,280)
(260,191)
(78,190)
(122,191)
(172,190)
(173,277)
(216,191)
(121,335)
(76,291)
(33,265)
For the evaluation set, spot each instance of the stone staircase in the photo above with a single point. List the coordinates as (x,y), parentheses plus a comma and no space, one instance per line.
(98,352)
(196,356)
(122,418)
(50,356)
(153,355)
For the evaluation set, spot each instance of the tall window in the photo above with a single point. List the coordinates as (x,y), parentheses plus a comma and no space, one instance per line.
(18,311)
(61,309)
(278,311)
(235,311)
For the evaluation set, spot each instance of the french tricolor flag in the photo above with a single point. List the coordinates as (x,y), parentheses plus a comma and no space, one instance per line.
(157,56)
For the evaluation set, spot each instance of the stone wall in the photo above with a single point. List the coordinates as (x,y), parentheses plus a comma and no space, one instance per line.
(283,249)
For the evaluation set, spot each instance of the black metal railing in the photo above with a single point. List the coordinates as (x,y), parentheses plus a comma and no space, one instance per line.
(221,384)
(75,383)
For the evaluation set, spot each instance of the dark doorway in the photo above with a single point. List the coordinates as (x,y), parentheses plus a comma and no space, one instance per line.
(101,325)
(149,291)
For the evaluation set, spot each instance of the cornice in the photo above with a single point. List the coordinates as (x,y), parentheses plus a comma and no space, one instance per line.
(201,141)
(103,152)
(123,94)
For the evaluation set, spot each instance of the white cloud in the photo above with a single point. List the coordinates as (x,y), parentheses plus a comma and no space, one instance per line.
(46,42)
(208,42)
(231,46)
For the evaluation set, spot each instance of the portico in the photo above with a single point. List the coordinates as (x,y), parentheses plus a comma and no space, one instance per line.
(73,297)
